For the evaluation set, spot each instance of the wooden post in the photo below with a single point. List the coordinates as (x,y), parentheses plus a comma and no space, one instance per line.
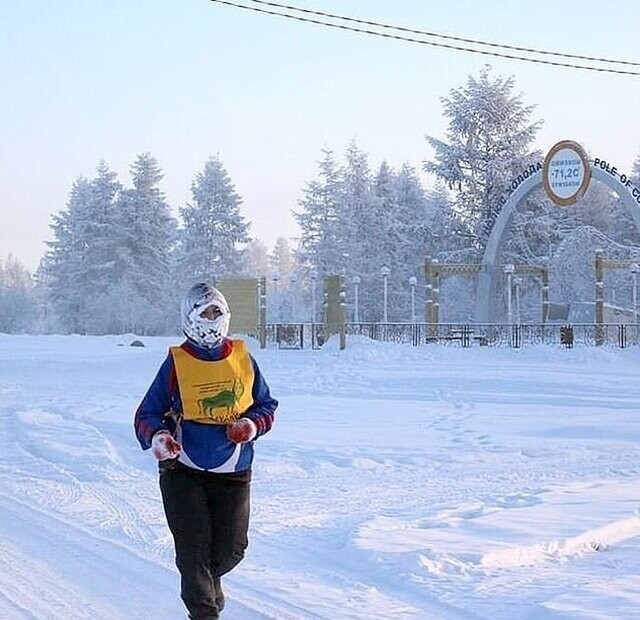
(343,314)
(262,305)
(545,294)
(436,294)
(599,308)
(429,291)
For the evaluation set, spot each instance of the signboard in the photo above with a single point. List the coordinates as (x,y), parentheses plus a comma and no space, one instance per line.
(242,296)
(566,173)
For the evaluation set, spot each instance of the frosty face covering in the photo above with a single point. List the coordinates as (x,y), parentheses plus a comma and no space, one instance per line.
(204,326)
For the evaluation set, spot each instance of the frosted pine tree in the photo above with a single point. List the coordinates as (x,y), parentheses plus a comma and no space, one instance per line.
(413,234)
(384,214)
(102,239)
(380,237)
(281,260)
(213,228)
(18,307)
(358,215)
(255,259)
(488,144)
(572,268)
(444,233)
(286,296)
(103,228)
(146,237)
(635,173)
(402,230)
(363,225)
(322,246)
(65,262)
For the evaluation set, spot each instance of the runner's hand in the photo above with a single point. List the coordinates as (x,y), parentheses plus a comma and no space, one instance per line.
(164,446)
(242,430)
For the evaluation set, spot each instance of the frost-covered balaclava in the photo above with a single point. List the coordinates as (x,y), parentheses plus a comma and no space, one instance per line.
(205,332)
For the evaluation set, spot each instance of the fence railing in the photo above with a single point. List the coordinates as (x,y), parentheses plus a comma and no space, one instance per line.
(308,335)
(466,335)
(296,335)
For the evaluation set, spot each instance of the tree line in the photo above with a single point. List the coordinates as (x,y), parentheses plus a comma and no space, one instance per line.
(118,260)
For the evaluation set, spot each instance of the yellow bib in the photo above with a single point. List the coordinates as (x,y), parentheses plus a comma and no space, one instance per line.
(214,392)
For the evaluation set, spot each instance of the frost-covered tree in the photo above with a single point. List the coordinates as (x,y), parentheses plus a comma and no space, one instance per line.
(103,241)
(146,238)
(82,262)
(376,240)
(104,237)
(354,223)
(535,231)
(572,267)
(255,259)
(289,296)
(281,260)
(379,239)
(321,246)
(385,216)
(359,215)
(622,227)
(214,228)
(102,231)
(488,143)
(67,257)
(18,307)
(600,209)
(416,227)
(635,173)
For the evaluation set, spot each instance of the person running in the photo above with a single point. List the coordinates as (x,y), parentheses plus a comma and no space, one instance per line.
(200,417)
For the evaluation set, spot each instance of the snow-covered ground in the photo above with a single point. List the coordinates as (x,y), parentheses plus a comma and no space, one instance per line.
(397,483)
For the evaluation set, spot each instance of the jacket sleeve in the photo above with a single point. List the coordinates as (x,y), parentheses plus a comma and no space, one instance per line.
(149,418)
(264,405)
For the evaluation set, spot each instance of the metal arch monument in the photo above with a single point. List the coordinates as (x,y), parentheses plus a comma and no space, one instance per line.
(565,179)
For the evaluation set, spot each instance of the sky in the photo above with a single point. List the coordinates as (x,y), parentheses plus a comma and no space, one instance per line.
(85,81)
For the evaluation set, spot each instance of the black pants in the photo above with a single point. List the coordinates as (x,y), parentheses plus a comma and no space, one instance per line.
(208,515)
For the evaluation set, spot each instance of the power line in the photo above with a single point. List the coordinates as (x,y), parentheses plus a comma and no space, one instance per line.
(447,37)
(423,42)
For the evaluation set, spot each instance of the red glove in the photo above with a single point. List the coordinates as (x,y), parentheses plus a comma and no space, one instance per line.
(164,446)
(242,431)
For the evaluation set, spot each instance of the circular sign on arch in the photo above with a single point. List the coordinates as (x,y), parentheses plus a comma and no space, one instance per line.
(566,173)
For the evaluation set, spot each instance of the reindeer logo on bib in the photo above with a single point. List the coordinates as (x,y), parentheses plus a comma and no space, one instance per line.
(220,408)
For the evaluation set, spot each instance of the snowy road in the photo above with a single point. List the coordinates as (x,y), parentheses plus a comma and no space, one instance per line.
(398,482)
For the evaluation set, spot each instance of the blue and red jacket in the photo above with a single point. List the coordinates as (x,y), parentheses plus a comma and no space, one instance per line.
(204,446)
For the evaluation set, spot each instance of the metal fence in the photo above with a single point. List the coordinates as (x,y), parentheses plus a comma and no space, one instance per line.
(489,335)
(307,335)
(296,335)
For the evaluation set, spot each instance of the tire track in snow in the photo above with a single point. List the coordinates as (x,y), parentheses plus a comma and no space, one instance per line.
(31,590)
(115,580)
(64,571)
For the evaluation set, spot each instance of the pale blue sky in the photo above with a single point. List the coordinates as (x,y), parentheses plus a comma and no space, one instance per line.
(84,80)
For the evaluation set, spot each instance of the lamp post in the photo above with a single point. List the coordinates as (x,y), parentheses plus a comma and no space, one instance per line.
(517,281)
(356,285)
(509,269)
(293,298)
(412,283)
(314,280)
(635,269)
(384,272)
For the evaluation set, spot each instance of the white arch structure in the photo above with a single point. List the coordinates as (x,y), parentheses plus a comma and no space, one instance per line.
(487,280)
